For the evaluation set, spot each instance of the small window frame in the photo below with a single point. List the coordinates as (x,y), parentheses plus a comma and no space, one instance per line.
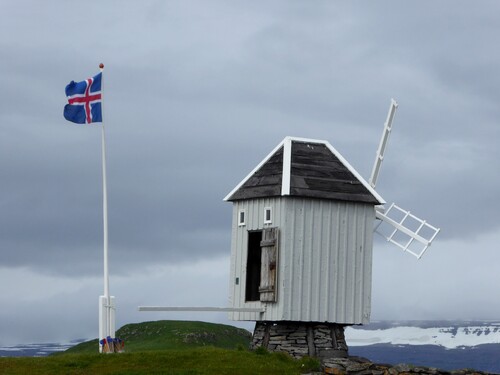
(241,218)
(268,215)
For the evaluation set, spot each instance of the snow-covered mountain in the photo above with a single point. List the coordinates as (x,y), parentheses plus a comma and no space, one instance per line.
(448,334)
(35,350)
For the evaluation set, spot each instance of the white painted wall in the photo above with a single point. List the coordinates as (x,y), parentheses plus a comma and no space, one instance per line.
(324,261)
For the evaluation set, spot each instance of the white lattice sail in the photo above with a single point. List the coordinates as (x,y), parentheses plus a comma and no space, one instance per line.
(405,230)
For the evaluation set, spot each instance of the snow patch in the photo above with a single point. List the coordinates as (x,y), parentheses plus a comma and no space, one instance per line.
(448,337)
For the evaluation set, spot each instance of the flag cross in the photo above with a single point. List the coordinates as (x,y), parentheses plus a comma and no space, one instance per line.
(86,99)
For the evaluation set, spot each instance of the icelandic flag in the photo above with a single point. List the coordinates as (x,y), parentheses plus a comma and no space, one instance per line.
(84,101)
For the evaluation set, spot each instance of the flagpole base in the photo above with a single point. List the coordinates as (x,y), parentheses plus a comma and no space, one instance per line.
(106,322)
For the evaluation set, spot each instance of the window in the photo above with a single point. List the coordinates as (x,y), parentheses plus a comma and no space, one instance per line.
(241,218)
(268,217)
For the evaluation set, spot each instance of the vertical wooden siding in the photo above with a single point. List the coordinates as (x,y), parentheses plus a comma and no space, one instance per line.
(254,211)
(328,247)
(324,262)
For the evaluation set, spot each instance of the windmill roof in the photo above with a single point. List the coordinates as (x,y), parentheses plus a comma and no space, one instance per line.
(305,168)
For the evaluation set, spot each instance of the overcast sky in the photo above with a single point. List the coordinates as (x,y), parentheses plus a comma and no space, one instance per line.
(196,94)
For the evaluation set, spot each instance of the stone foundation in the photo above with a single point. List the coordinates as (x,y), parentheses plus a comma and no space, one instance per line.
(299,339)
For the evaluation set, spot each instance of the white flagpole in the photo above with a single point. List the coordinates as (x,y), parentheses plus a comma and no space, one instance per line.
(106,322)
(104,197)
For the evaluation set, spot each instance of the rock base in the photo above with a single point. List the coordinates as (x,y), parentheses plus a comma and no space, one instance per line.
(299,339)
(362,366)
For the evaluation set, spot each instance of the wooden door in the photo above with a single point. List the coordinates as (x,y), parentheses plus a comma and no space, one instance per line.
(268,271)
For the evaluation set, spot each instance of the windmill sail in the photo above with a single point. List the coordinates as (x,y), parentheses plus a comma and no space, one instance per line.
(406,230)
(397,225)
(383,143)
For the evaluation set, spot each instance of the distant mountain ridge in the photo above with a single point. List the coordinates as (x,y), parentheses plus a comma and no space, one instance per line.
(448,345)
(448,334)
(35,350)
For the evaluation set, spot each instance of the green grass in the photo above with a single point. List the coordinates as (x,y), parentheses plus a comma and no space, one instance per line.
(173,334)
(208,360)
(166,347)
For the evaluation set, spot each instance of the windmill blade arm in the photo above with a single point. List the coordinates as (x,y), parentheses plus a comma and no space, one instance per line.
(383,144)
(400,229)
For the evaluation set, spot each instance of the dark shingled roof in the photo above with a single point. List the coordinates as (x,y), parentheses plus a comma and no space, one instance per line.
(265,182)
(315,171)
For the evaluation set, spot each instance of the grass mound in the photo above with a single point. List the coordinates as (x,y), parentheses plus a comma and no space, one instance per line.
(173,334)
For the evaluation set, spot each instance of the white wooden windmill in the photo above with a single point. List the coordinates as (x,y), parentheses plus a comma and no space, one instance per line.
(301,246)
(301,253)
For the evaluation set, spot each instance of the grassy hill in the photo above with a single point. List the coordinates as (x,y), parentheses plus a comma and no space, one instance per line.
(173,334)
(166,347)
(196,361)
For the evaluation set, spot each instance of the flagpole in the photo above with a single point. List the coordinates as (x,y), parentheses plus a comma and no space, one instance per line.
(104,196)
(107,298)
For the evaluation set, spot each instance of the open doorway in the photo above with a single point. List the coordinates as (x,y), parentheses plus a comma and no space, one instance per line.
(254,260)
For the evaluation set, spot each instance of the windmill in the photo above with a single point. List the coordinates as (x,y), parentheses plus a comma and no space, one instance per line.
(301,253)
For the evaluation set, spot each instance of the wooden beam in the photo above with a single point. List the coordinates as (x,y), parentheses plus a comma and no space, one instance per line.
(206,309)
